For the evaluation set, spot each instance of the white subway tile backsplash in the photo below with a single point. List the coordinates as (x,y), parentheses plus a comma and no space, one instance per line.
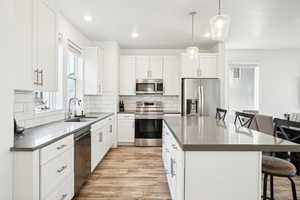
(25,114)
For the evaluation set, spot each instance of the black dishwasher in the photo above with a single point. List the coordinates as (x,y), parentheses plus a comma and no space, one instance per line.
(82,161)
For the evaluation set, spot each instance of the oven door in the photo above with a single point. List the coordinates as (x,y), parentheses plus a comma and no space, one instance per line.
(144,88)
(148,132)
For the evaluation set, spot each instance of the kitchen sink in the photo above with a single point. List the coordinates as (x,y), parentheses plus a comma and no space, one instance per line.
(81,119)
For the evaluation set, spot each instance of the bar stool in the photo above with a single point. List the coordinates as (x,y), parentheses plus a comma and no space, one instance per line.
(221,114)
(273,166)
(245,119)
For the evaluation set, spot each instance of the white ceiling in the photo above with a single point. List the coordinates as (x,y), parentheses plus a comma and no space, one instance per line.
(166,24)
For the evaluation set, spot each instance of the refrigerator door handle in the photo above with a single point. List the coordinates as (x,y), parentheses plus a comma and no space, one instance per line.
(199,106)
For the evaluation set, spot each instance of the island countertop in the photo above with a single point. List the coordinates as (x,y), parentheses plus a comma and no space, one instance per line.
(41,136)
(195,133)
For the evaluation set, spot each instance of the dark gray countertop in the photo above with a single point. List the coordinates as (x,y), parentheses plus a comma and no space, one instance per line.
(207,134)
(41,136)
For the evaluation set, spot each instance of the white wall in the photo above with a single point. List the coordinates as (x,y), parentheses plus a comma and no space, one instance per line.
(6,102)
(279,78)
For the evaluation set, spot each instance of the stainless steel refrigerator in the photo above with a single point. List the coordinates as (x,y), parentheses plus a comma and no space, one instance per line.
(200,96)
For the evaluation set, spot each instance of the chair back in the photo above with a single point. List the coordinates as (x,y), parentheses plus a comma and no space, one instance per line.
(221,114)
(289,130)
(244,119)
(264,124)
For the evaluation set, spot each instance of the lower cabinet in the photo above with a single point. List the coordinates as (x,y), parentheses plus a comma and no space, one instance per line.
(45,174)
(126,128)
(101,140)
(173,159)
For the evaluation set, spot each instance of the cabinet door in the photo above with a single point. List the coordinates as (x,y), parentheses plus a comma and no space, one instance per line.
(94,150)
(46,46)
(171,75)
(142,67)
(91,71)
(208,66)
(24,26)
(126,131)
(156,67)
(189,67)
(127,75)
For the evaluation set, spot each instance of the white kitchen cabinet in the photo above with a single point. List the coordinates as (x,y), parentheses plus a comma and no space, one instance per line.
(189,67)
(47,173)
(204,66)
(171,75)
(24,42)
(208,65)
(127,75)
(126,128)
(46,47)
(92,71)
(142,67)
(173,158)
(155,67)
(102,134)
(36,50)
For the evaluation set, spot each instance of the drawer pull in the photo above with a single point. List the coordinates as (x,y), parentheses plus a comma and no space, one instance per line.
(174,146)
(61,147)
(63,196)
(62,169)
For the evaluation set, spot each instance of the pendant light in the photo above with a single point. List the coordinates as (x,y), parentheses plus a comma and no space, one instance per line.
(219,25)
(192,51)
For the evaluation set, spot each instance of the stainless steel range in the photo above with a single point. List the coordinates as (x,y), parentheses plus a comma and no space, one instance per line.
(148,123)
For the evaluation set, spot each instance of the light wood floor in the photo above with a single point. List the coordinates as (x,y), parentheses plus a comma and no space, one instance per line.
(128,173)
(136,173)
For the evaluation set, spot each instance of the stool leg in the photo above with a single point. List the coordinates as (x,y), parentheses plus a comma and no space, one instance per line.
(271,187)
(265,187)
(293,188)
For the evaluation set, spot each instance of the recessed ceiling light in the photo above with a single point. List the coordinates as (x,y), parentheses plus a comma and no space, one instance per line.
(207,35)
(88,18)
(135,35)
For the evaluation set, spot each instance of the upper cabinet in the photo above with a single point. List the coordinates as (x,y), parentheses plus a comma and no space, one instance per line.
(171,75)
(156,67)
(149,67)
(92,71)
(46,43)
(205,66)
(36,45)
(142,67)
(127,75)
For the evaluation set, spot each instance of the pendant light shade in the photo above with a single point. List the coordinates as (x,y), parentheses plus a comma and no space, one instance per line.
(219,26)
(192,51)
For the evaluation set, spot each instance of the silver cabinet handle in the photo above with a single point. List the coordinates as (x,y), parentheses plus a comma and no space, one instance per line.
(62,169)
(63,196)
(110,128)
(61,147)
(100,137)
(42,77)
(36,82)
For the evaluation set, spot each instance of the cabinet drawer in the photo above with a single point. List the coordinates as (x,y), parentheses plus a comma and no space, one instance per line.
(56,171)
(64,190)
(55,149)
(100,124)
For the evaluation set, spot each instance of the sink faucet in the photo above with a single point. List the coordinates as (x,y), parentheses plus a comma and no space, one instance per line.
(70,114)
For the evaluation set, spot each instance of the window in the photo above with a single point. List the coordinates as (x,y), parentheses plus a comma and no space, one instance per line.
(243,87)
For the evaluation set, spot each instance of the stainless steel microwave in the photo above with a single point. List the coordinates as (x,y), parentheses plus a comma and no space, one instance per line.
(149,86)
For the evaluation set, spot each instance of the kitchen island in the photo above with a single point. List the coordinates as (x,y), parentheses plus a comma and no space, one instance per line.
(209,159)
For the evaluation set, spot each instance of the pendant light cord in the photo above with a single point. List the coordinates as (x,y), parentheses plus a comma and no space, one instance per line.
(219,12)
(193,15)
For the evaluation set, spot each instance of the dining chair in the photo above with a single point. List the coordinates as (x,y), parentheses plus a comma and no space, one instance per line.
(221,114)
(245,119)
